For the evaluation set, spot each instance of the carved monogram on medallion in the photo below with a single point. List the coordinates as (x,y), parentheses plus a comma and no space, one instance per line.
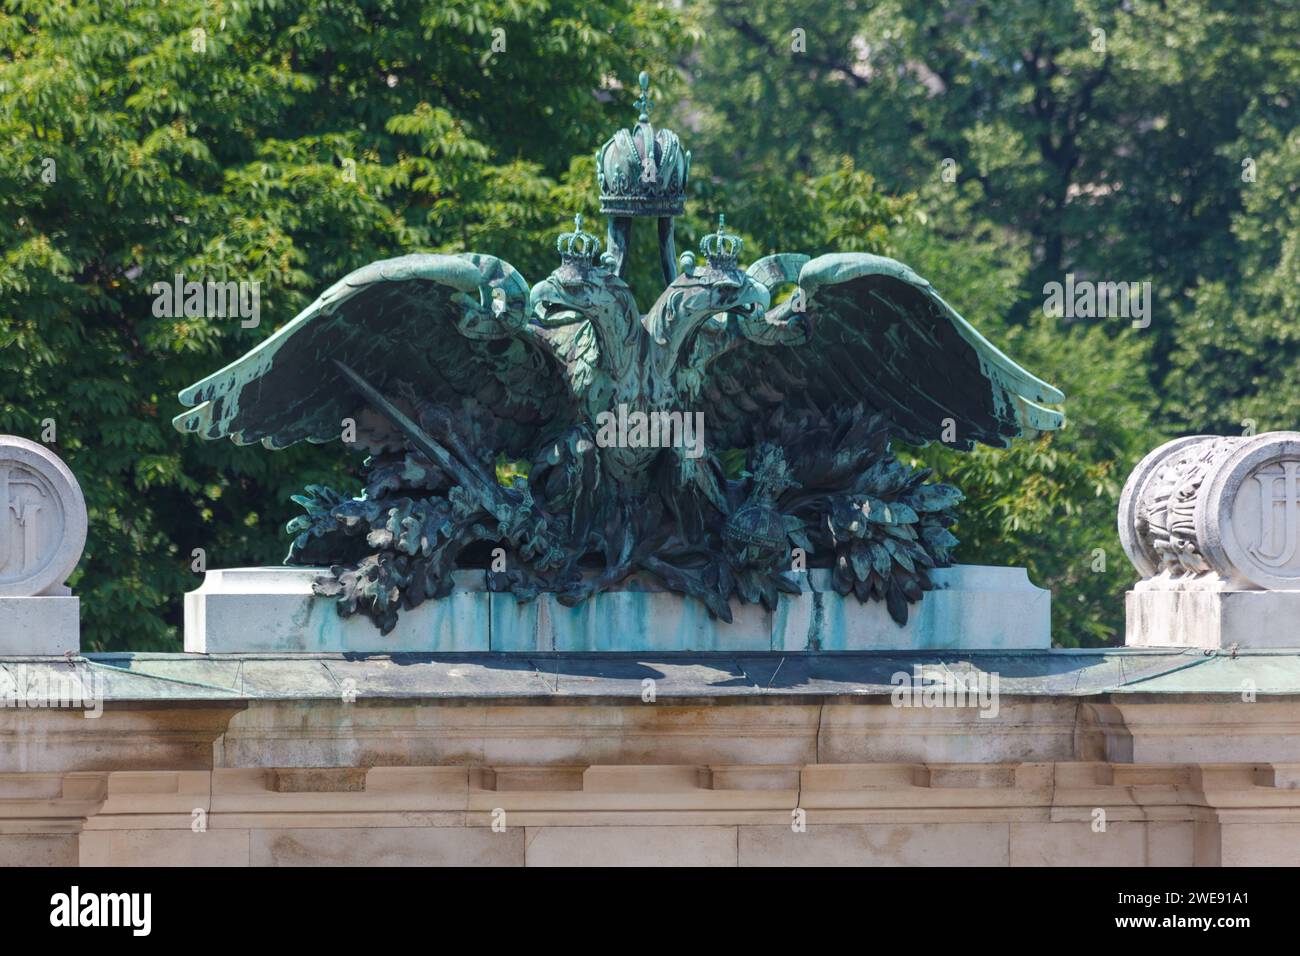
(1266,518)
(31,522)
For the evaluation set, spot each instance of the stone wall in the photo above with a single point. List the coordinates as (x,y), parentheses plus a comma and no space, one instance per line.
(1181,780)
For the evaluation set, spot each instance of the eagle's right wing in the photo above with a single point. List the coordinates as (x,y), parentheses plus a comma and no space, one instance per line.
(449,327)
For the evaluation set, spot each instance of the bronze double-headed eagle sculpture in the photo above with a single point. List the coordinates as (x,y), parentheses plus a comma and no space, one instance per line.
(722,443)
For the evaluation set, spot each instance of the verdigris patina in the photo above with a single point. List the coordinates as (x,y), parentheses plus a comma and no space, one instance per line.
(797,371)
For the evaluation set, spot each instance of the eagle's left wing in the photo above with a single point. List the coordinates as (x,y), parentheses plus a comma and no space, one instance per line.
(864,329)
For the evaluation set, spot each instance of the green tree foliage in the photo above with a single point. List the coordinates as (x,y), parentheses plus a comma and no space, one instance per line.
(1247,321)
(1093,127)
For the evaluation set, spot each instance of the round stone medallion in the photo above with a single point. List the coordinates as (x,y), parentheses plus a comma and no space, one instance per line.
(1248,516)
(42,519)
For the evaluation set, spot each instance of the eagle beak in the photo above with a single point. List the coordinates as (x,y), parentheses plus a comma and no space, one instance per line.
(552,302)
(753,302)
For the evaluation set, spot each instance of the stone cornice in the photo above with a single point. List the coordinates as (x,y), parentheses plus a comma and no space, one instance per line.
(717,677)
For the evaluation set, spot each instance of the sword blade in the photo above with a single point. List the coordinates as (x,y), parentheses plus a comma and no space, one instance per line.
(418,437)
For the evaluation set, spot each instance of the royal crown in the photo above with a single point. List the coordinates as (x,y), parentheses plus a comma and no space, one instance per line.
(643,171)
(722,248)
(577,248)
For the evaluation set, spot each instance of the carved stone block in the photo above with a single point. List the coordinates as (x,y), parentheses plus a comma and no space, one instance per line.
(1213,526)
(42,534)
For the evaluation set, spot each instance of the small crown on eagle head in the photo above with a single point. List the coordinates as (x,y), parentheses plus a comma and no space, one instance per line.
(722,248)
(577,248)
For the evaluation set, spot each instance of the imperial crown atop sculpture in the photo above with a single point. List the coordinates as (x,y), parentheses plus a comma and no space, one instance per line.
(797,372)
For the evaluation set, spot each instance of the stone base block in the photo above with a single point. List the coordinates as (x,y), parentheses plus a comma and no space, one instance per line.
(1211,618)
(973,607)
(273,610)
(39,626)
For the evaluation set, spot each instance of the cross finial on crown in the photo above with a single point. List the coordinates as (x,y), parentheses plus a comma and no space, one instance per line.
(722,248)
(644,103)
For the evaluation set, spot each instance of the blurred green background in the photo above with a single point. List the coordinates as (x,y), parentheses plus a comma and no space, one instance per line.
(993,146)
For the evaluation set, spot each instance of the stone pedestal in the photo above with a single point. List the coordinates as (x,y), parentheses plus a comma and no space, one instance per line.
(1212,616)
(273,610)
(39,626)
(265,610)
